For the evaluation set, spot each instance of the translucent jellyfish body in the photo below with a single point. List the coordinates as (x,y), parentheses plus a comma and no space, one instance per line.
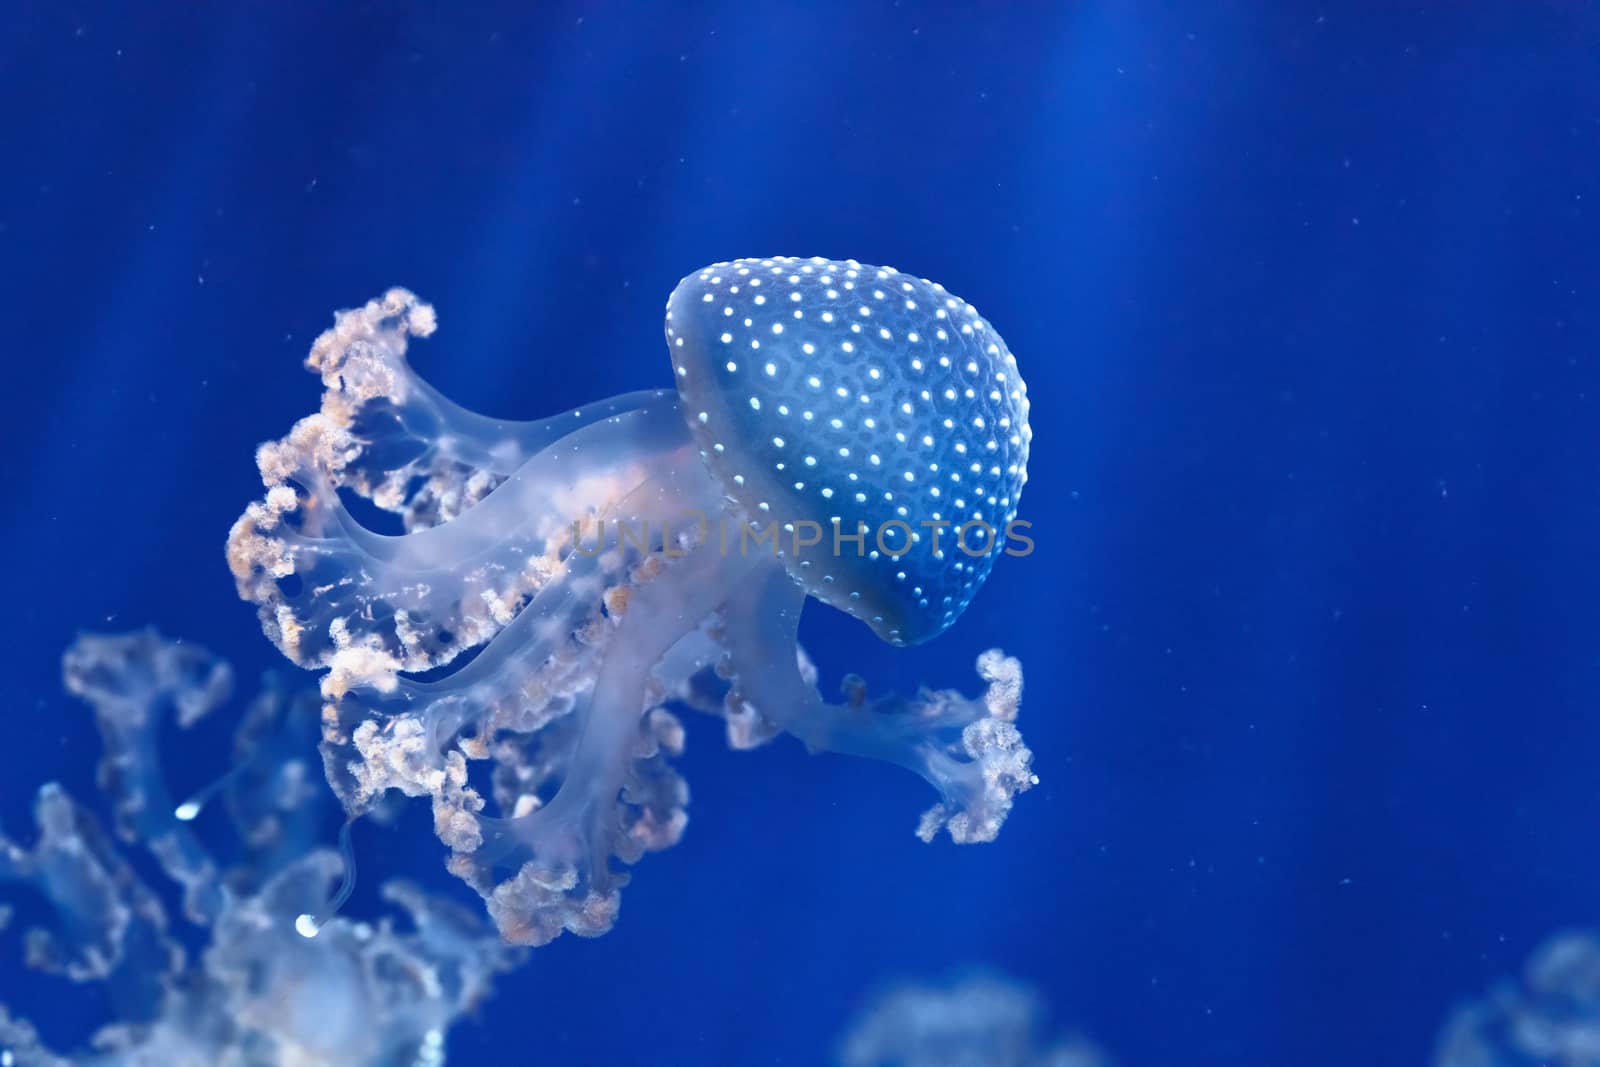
(1549,1019)
(978,1020)
(838,431)
(356,995)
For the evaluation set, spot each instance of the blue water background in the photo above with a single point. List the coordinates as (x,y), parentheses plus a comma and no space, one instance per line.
(1306,303)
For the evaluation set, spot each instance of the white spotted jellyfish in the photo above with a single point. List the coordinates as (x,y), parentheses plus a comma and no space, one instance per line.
(840,432)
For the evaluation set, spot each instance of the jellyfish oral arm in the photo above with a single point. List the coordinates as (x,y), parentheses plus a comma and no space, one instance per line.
(969,750)
(325,583)
(567,843)
(421,455)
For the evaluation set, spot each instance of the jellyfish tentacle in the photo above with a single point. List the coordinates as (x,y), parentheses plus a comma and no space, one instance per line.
(532,699)
(565,880)
(969,750)
(133,681)
(112,926)
(424,597)
(410,449)
(528,675)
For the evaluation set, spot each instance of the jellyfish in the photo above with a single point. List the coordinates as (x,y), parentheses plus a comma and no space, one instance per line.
(358,994)
(977,1019)
(551,589)
(1552,1016)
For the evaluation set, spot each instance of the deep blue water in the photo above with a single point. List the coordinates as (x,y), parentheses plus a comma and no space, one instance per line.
(1305,300)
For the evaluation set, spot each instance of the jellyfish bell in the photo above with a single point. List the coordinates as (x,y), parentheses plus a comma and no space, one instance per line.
(877,420)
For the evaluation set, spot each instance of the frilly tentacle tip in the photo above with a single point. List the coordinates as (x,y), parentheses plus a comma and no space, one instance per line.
(999,764)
